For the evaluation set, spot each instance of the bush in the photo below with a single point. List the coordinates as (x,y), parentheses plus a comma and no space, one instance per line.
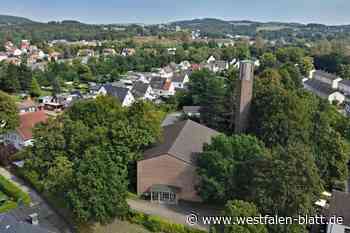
(7,206)
(157,224)
(13,191)
(31,177)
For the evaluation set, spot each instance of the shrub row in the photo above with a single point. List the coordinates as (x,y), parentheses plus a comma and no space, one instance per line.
(13,191)
(157,224)
(7,206)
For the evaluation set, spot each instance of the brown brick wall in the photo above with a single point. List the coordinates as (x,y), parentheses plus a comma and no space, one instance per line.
(168,170)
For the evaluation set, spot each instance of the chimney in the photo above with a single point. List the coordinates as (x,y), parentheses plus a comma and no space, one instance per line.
(244,95)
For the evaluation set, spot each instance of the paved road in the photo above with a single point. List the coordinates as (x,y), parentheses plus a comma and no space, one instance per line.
(48,218)
(174,213)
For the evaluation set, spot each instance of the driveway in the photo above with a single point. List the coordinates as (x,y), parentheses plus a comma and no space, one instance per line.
(174,213)
(48,218)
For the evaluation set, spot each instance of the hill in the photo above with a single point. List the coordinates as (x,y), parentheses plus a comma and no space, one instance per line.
(7,20)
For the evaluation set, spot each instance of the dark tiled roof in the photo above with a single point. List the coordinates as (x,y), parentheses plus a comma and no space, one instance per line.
(157,82)
(321,87)
(325,75)
(9,224)
(119,92)
(179,77)
(183,140)
(339,205)
(139,89)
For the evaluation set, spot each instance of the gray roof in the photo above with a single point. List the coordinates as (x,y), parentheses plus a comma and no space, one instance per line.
(325,75)
(139,89)
(179,77)
(345,82)
(339,205)
(191,109)
(157,82)
(8,224)
(182,140)
(119,92)
(321,87)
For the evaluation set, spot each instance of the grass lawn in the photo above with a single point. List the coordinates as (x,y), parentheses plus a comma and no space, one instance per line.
(116,227)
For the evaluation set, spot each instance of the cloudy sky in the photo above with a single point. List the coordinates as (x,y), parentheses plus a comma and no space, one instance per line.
(161,11)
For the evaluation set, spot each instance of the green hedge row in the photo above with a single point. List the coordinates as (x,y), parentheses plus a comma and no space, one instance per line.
(7,206)
(13,191)
(157,224)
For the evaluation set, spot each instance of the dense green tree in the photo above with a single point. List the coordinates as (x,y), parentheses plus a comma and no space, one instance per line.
(279,115)
(288,185)
(99,187)
(268,60)
(9,118)
(240,209)
(331,150)
(86,155)
(35,90)
(9,81)
(227,167)
(306,66)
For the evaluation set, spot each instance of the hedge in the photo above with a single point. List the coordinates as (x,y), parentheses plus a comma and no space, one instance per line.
(157,224)
(7,206)
(13,191)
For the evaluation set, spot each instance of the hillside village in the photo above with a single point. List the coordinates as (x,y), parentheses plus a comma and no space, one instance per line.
(94,131)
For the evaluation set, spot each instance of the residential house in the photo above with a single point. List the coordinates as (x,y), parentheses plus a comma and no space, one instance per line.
(168,171)
(128,52)
(185,65)
(339,206)
(86,53)
(217,66)
(192,111)
(166,72)
(23,135)
(211,59)
(172,51)
(324,77)
(109,52)
(162,87)
(123,94)
(27,105)
(142,91)
(180,79)
(324,90)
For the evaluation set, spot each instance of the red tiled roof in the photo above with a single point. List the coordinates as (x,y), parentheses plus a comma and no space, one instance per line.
(167,85)
(28,121)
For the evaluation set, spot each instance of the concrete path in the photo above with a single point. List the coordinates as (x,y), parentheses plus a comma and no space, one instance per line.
(48,218)
(174,213)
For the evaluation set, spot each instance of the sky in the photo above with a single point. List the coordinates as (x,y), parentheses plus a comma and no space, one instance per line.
(163,11)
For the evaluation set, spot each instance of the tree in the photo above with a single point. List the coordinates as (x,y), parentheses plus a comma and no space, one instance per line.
(240,209)
(331,150)
(99,189)
(288,185)
(293,183)
(9,118)
(85,155)
(9,78)
(268,60)
(279,115)
(227,167)
(344,71)
(306,66)
(35,90)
